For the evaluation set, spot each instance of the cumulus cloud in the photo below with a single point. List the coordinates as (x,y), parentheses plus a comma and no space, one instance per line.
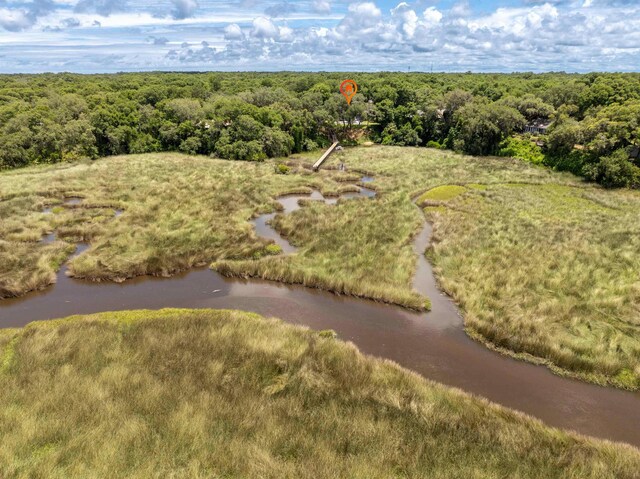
(406,18)
(264,28)
(366,10)
(518,21)
(502,39)
(14,20)
(362,21)
(20,18)
(286,34)
(460,9)
(572,35)
(432,16)
(183,8)
(233,32)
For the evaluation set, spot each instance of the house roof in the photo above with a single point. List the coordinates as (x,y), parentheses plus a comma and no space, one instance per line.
(539,123)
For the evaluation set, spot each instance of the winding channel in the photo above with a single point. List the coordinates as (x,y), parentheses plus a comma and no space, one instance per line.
(433,344)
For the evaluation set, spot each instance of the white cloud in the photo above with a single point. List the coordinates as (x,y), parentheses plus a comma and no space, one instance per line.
(460,9)
(101,7)
(432,16)
(407,19)
(537,35)
(233,32)
(286,34)
(14,20)
(363,21)
(264,28)
(365,10)
(518,21)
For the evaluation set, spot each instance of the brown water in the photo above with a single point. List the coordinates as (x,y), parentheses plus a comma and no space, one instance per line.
(432,344)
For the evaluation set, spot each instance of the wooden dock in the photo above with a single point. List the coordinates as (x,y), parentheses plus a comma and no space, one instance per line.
(317,164)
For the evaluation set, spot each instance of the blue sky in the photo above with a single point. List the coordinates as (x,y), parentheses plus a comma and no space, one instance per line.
(446,35)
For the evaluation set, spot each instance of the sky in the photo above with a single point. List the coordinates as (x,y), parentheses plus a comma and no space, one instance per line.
(88,36)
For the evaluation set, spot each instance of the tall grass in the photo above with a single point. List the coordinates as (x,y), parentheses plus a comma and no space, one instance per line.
(548,271)
(178,212)
(201,393)
(360,247)
(363,247)
(544,265)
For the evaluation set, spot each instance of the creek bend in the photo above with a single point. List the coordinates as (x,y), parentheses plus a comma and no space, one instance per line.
(432,344)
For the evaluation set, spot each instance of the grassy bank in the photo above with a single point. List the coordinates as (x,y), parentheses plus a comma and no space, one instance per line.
(184,393)
(544,266)
(548,271)
(361,247)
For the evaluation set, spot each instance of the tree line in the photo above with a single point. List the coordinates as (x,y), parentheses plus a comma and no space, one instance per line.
(594,118)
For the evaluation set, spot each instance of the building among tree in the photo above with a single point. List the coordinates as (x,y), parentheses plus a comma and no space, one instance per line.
(538,127)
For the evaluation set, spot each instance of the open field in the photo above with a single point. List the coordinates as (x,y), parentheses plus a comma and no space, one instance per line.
(543,265)
(204,393)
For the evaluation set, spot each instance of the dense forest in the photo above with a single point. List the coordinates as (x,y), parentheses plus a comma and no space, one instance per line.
(594,119)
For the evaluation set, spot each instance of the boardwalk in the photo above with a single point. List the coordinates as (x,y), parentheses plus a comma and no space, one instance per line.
(317,164)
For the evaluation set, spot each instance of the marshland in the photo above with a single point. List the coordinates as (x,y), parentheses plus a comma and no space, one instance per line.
(543,265)
(501,277)
(196,393)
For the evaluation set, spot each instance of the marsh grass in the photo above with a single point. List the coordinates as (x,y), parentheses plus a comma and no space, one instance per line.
(544,266)
(203,393)
(179,212)
(548,271)
(441,193)
(360,247)
(363,247)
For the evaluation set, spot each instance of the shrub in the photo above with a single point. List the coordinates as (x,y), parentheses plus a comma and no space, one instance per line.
(145,143)
(614,171)
(433,144)
(241,150)
(282,169)
(190,146)
(273,249)
(522,149)
(277,143)
(310,145)
(328,334)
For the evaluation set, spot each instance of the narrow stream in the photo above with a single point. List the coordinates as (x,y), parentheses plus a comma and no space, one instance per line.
(433,344)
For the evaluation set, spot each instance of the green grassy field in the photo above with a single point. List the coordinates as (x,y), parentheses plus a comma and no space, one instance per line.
(203,393)
(543,264)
